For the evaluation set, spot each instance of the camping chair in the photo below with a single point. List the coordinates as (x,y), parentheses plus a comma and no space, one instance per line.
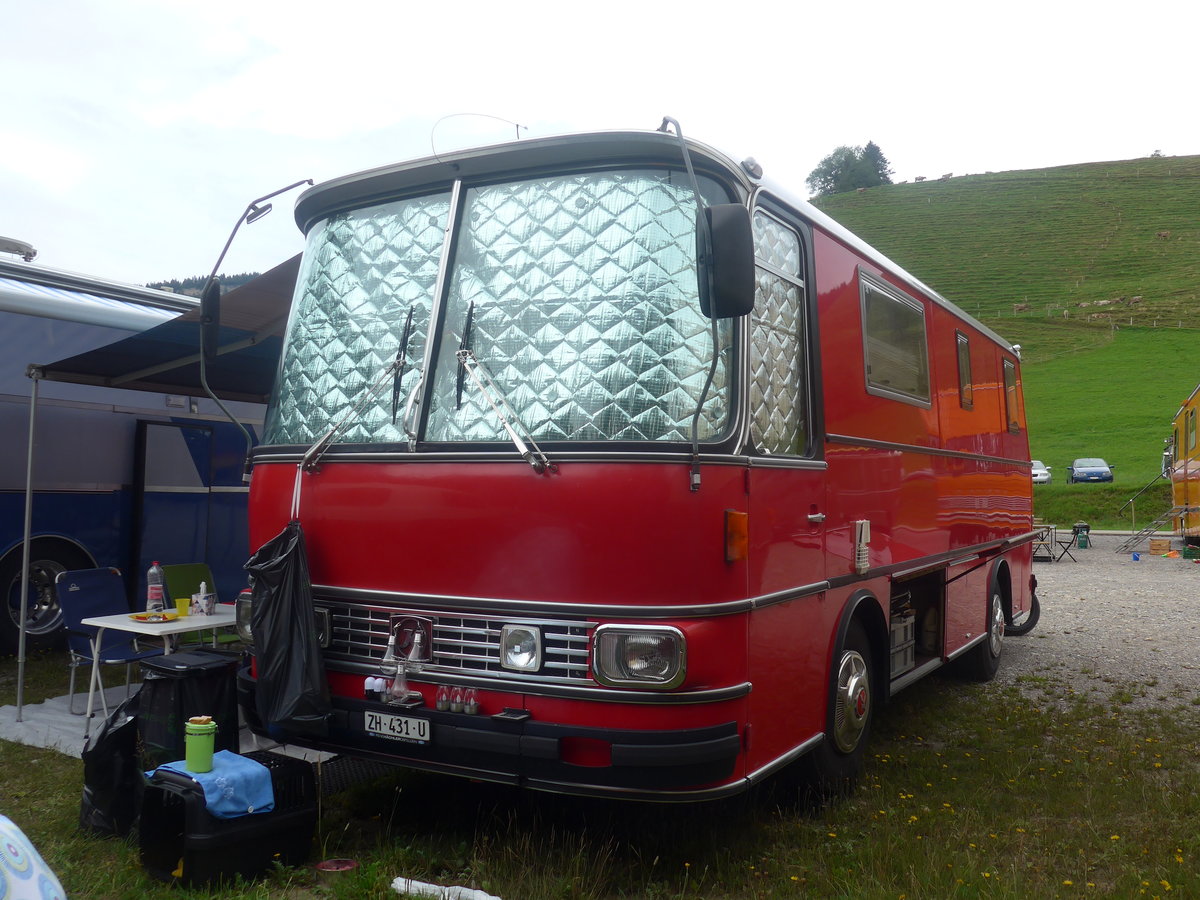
(183,580)
(96,592)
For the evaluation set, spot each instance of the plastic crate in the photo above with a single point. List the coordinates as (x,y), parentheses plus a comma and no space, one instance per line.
(181,842)
(903,658)
(903,629)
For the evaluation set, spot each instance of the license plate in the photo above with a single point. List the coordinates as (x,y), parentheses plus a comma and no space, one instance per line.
(397,728)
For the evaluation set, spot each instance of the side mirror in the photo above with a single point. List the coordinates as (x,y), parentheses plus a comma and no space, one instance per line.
(727,263)
(210,320)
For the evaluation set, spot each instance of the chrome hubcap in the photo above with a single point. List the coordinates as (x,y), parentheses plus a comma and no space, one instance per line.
(996,630)
(852,701)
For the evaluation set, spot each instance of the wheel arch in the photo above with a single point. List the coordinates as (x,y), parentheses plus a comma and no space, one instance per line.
(864,607)
(1001,578)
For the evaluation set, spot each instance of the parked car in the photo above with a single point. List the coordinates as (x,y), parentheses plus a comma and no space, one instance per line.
(1041,472)
(1089,468)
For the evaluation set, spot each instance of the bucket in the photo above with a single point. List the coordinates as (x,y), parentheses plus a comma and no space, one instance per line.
(198,737)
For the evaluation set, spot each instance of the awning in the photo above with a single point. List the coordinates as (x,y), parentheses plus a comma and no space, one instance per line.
(166,358)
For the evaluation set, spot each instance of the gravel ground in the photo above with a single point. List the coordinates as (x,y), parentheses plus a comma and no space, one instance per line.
(1113,628)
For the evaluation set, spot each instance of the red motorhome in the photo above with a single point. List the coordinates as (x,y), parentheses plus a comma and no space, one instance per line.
(637,475)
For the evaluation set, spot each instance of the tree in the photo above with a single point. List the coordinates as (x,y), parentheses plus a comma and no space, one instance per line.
(850,168)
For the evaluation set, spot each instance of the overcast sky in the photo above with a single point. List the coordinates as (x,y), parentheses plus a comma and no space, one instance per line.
(133,133)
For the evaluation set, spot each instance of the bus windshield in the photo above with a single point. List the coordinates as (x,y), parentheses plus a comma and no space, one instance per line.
(576,294)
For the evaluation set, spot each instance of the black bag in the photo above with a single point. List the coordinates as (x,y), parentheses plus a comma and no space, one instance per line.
(112,774)
(292,693)
(175,688)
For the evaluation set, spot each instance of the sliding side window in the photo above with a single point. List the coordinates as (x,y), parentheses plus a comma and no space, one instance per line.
(895,347)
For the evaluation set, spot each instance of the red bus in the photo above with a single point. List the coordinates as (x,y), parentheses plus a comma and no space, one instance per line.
(648,477)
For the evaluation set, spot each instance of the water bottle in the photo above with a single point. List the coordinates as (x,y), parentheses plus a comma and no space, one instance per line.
(154,589)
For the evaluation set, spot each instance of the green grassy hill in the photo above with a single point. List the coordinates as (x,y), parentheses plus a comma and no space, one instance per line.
(1053,259)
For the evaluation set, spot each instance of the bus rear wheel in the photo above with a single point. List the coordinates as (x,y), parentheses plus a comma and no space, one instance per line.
(43,618)
(983,660)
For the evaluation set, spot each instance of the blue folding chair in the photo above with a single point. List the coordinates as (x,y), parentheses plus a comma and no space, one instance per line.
(96,592)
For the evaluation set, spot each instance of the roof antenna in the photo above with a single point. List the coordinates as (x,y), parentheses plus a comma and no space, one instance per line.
(432,149)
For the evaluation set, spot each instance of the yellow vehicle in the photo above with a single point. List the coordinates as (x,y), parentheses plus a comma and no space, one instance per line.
(1181,462)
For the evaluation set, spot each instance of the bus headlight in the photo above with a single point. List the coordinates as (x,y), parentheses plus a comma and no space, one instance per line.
(646,656)
(521,648)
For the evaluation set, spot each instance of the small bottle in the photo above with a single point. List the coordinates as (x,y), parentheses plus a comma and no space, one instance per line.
(154,589)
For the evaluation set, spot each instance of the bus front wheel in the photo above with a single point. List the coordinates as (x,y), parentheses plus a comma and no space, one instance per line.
(834,765)
(43,618)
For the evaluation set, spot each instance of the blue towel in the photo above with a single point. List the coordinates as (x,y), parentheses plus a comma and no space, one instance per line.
(236,786)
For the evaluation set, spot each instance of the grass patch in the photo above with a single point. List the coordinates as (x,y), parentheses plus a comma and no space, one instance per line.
(970,791)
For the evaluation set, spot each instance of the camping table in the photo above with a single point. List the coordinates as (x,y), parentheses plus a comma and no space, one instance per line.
(223,617)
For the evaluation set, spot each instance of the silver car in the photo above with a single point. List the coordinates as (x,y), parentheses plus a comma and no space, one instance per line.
(1041,473)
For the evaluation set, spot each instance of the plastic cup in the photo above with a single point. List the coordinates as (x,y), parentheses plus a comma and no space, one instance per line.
(182,605)
(198,740)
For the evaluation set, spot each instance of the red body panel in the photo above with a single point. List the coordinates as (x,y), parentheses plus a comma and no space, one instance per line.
(609,533)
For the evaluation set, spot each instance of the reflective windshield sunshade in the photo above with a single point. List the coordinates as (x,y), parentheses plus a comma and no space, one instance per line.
(362,274)
(581,291)
(585,313)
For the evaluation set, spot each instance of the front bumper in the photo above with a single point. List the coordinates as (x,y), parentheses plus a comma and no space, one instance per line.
(513,748)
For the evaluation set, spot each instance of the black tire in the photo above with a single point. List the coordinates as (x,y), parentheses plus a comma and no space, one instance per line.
(44,623)
(833,767)
(1035,613)
(983,661)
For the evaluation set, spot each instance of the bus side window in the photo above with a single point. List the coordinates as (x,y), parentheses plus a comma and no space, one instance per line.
(966,389)
(778,359)
(895,348)
(1011,413)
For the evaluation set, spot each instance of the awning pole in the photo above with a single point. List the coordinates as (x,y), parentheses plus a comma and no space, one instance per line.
(35,375)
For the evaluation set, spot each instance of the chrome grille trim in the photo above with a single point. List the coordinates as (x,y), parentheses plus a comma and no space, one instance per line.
(463,643)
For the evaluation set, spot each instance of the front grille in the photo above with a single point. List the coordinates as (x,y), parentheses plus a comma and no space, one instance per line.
(462,644)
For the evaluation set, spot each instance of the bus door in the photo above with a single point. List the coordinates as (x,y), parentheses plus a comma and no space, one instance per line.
(786,484)
(172,494)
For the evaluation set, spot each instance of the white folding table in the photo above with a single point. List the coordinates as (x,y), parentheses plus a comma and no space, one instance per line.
(222,617)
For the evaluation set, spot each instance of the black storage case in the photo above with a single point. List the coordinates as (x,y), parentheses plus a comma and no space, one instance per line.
(175,688)
(181,842)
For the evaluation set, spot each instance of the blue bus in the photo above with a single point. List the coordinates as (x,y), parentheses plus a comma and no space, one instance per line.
(120,477)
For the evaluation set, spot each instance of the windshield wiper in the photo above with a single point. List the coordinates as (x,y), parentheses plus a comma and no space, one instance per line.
(468,365)
(464,345)
(394,370)
(401,359)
